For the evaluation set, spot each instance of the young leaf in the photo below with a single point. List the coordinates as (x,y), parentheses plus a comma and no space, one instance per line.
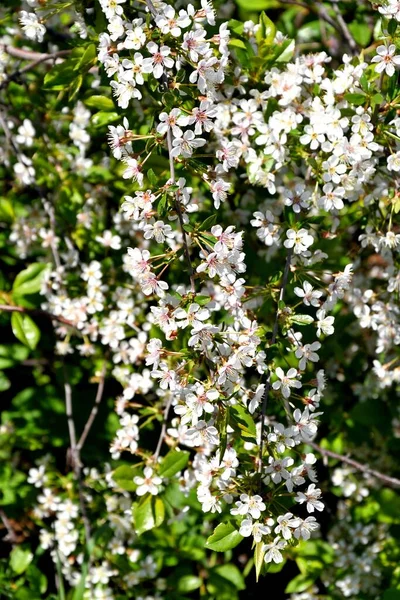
(258,558)
(29,280)
(173,462)
(225,537)
(25,330)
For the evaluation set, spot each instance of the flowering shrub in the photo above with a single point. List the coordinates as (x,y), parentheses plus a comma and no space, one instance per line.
(200,317)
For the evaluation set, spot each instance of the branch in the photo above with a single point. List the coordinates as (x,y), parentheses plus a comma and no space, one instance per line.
(391,481)
(273,340)
(73,454)
(94,410)
(163,428)
(36,57)
(36,312)
(345,30)
(11,535)
(320,10)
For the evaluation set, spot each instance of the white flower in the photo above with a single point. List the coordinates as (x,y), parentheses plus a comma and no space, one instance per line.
(298,240)
(272,551)
(257,530)
(286,382)
(324,323)
(393,162)
(26,133)
(305,528)
(386,59)
(33,29)
(171,121)
(307,353)
(309,295)
(332,198)
(311,496)
(249,505)
(147,483)
(184,144)
(285,524)
(37,476)
(159,61)
(133,171)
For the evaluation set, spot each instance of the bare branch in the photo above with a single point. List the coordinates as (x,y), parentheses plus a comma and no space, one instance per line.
(95,409)
(163,429)
(11,535)
(319,9)
(391,481)
(36,312)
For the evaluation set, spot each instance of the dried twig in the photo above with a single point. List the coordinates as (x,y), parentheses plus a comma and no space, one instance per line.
(391,481)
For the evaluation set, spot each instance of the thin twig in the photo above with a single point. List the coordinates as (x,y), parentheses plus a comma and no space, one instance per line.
(36,57)
(35,312)
(273,340)
(163,429)
(319,9)
(179,212)
(95,409)
(345,30)
(11,535)
(392,481)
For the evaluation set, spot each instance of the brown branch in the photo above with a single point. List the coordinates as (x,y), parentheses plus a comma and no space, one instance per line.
(94,411)
(36,312)
(391,481)
(273,340)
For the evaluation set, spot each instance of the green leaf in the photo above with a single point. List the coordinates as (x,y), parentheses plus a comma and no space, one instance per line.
(100,102)
(302,319)
(101,119)
(258,558)
(80,589)
(25,330)
(225,537)
(20,559)
(148,514)
(361,32)
(389,502)
(356,99)
(209,222)
(266,32)
(391,594)
(60,76)
(300,583)
(243,421)
(257,4)
(188,583)
(29,280)
(173,462)
(232,574)
(123,477)
(152,177)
